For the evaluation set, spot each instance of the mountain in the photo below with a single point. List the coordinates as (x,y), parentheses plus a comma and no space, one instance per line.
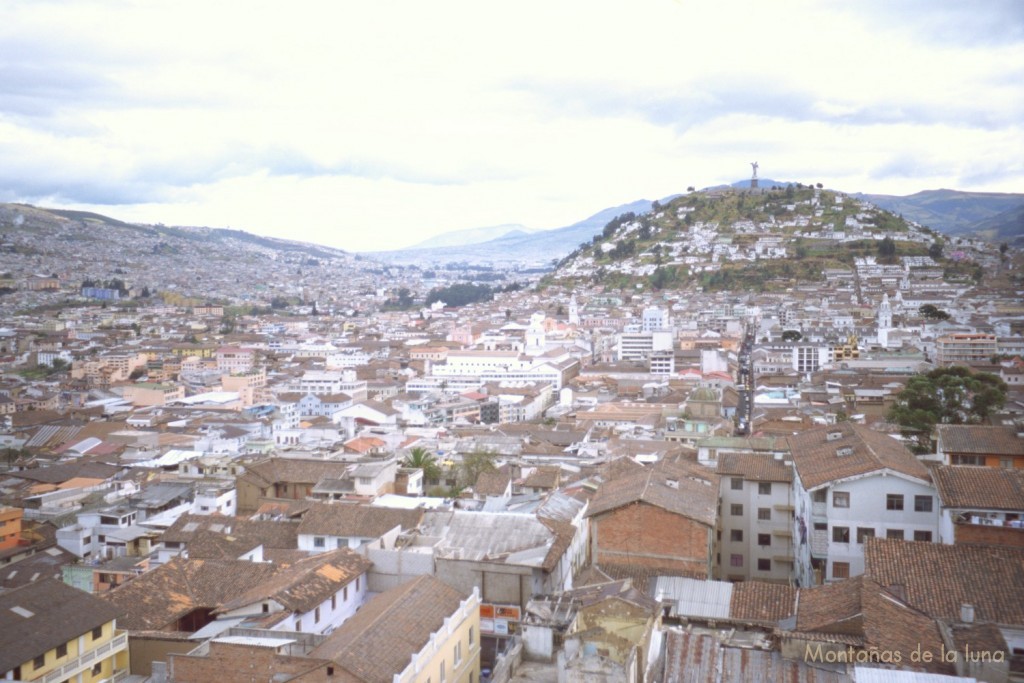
(997,215)
(772,240)
(179,263)
(535,249)
(457,238)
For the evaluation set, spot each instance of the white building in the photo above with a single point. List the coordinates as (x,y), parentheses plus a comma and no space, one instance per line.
(851,483)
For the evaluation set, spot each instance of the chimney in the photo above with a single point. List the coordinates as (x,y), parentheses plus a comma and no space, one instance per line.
(967,613)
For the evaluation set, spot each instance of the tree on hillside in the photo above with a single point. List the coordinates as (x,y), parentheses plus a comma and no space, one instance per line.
(792,336)
(932,312)
(953,395)
(887,248)
(935,250)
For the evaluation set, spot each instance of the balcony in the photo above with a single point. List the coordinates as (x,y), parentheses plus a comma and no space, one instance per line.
(818,510)
(79,664)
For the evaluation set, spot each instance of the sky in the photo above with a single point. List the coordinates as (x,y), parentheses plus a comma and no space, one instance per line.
(375,125)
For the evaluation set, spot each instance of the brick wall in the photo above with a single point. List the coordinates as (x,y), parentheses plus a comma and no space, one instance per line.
(990,535)
(642,534)
(228,663)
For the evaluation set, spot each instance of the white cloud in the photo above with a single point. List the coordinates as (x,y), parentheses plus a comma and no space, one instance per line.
(345,122)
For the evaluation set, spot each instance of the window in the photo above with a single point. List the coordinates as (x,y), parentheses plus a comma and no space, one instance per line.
(764,539)
(1006,463)
(968,460)
(441,675)
(471,636)
(316,615)
(864,533)
(87,540)
(820,496)
(764,565)
(97,633)
(39,661)
(357,583)
(820,526)
(840,570)
(894,533)
(102,538)
(334,601)
(925,536)
(319,542)
(922,503)
(62,650)
(736,535)
(344,593)
(736,510)
(737,484)
(764,488)
(735,560)
(457,654)
(841,499)
(764,514)
(298,625)
(841,534)
(894,501)
(97,668)
(266,608)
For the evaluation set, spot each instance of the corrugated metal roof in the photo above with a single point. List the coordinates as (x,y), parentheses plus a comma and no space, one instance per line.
(864,674)
(695,597)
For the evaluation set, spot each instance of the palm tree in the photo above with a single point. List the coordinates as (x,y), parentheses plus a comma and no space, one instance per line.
(422,459)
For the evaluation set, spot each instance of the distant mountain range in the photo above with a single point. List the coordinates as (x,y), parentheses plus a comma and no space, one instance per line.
(994,217)
(515,247)
(458,238)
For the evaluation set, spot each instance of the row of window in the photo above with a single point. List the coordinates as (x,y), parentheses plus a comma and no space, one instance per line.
(893,501)
(456,659)
(736,535)
(841,534)
(763,514)
(763,564)
(764,488)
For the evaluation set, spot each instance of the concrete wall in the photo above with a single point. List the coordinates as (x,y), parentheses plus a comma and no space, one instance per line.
(395,567)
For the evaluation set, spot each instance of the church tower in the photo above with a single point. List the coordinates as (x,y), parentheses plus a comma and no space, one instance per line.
(885,313)
(574,310)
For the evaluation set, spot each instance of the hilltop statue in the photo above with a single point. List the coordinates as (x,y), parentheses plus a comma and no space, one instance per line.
(753,164)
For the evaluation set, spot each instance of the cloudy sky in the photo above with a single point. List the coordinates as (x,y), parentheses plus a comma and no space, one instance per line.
(377,124)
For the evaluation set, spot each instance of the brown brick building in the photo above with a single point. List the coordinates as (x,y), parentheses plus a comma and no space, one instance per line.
(662,518)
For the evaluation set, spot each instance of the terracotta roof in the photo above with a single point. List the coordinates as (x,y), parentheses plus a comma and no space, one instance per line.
(863,609)
(938,579)
(155,600)
(545,477)
(291,470)
(358,521)
(307,583)
(761,601)
(233,532)
(51,613)
(381,638)
(980,440)
(832,453)
(989,488)
(755,467)
(493,482)
(690,491)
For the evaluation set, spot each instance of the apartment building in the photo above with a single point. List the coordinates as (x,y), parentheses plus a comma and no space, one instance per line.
(850,484)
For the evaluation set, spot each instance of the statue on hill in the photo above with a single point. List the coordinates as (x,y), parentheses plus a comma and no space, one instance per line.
(753,165)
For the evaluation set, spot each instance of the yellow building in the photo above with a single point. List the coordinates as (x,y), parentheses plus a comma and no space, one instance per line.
(52,632)
(151,394)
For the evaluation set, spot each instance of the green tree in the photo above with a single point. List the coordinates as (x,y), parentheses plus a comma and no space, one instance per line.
(887,248)
(932,312)
(792,336)
(473,465)
(935,250)
(421,459)
(953,395)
